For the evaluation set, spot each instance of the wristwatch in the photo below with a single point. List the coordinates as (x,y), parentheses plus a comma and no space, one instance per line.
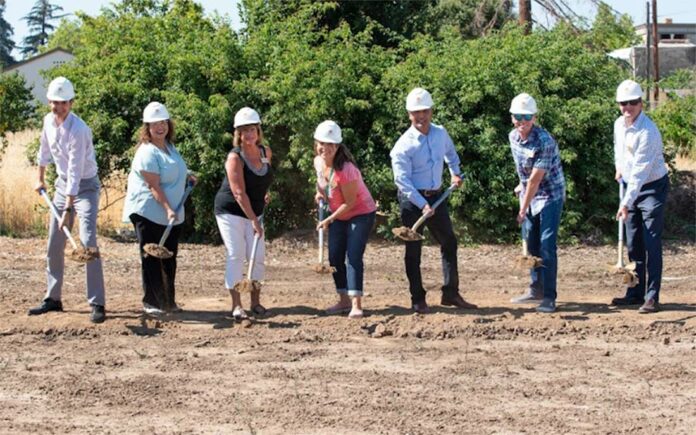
(69,209)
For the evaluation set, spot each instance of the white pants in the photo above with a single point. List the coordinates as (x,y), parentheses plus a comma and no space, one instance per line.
(238,235)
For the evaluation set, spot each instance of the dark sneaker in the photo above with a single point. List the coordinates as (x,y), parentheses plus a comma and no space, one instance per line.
(547,306)
(650,306)
(98,314)
(624,301)
(47,305)
(421,308)
(457,301)
(527,298)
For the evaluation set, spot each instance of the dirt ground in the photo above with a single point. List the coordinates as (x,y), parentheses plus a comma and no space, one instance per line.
(500,369)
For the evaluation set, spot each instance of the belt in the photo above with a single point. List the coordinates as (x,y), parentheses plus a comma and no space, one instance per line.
(428,193)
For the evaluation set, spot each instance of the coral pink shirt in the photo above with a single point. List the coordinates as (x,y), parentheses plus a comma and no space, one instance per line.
(363,203)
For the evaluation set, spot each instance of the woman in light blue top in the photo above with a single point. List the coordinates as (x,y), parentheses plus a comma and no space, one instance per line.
(156,185)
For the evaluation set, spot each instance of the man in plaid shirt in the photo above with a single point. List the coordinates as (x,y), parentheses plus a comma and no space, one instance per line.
(542,192)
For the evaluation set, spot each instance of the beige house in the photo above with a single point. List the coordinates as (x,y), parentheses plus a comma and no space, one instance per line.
(677,49)
(31,70)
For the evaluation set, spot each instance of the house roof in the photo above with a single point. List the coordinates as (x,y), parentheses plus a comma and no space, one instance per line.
(31,59)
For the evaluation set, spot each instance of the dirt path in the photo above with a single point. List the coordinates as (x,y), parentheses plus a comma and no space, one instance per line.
(500,369)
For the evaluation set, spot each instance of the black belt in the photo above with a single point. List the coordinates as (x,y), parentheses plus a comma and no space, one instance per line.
(428,193)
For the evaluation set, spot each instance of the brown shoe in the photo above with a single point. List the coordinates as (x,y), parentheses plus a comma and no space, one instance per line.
(421,308)
(650,306)
(457,301)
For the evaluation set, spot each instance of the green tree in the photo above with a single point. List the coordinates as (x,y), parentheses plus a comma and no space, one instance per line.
(6,42)
(140,52)
(39,22)
(610,32)
(15,100)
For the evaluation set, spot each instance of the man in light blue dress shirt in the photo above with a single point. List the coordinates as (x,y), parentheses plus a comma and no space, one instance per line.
(66,141)
(640,166)
(418,159)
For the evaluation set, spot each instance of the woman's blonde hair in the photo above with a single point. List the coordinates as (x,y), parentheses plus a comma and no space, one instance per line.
(237,139)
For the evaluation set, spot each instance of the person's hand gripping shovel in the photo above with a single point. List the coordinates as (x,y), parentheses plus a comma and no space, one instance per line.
(79,253)
(411,234)
(157,249)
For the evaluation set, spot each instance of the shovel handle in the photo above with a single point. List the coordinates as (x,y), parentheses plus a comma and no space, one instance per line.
(321,232)
(189,188)
(253,256)
(56,215)
(621,226)
(442,197)
(253,253)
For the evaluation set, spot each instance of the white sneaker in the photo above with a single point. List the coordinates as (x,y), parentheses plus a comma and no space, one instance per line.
(149,309)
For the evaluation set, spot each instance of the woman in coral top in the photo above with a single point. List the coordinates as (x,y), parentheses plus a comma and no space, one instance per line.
(352,216)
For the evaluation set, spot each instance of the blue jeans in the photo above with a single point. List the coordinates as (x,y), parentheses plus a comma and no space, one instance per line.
(348,239)
(646,220)
(541,232)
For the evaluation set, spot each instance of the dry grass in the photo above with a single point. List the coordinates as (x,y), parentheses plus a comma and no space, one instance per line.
(23,213)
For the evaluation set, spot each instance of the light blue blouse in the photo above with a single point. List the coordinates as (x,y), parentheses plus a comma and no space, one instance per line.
(172,171)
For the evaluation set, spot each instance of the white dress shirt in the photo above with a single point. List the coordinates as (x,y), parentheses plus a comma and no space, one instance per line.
(638,155)
(70,147)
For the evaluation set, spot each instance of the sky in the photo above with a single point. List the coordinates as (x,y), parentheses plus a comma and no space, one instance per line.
(681,11)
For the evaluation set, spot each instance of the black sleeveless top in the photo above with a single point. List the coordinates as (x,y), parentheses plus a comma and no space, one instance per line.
(256,188)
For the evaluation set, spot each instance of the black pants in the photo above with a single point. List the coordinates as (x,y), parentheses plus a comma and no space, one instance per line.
(158,275)
(440,226)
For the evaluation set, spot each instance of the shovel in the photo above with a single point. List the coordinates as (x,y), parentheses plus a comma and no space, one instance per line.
(248,285)
(411,234)
(79,254)
(158,250)
(626,271)
(320,267)
(526,261)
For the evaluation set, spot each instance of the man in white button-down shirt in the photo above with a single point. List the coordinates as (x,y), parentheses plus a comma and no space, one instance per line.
(640,165)
(66,141)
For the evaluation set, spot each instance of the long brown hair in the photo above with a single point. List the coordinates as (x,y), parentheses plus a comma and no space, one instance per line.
(342,155)
(145,133)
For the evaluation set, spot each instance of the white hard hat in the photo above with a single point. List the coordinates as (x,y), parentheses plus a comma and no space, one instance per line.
(246,116)
(155,112)
(328,131)
(418,99)
(60,89)
(523,104)
(628,90)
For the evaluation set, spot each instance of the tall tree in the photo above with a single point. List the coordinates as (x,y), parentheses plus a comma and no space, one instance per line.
(6,42)
(39,23)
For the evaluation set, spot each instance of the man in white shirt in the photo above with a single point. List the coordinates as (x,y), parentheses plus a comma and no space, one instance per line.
(640,166)
(66,141)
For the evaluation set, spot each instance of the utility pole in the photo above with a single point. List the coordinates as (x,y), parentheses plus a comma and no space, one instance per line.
(526,15)
(656,63)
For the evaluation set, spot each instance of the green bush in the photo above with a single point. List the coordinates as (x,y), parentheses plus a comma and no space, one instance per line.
(15,101)
(676,119)
(298,64)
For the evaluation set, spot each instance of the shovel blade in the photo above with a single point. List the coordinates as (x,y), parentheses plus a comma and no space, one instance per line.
(407,234)
(157,251)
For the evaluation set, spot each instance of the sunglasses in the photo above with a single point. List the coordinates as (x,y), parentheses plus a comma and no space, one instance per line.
(520,117)
(631,103)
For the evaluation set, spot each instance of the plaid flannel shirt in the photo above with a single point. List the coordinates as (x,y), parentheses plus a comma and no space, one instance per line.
(539,151)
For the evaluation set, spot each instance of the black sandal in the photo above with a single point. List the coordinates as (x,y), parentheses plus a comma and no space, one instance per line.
(259,310)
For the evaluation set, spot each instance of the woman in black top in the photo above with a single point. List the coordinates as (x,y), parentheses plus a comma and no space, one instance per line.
(239,205)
